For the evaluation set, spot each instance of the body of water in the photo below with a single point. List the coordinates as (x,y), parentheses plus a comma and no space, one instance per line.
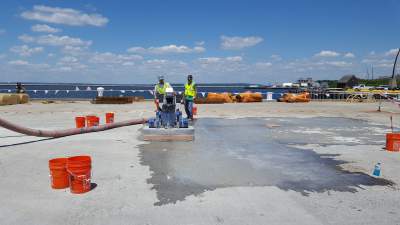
(88,91)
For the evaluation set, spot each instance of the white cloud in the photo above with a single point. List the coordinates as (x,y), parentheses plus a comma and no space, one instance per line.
(349,55)
(234,58)
(338,63)
(65,16)
(263,65)
(26,64)
(111,58)
(167,49)
(207,60)
(18,62)
(25,50)
(200,43)
(236,43)
(26,38)
(68,59)
(229,59)
(69,63)
(327,53)
(74,50)
(62,41)
(54,40)
(392,52)
(276,57)
(44,28)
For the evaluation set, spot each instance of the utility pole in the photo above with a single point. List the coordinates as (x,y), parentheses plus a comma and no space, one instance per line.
(393,82)
(372,71)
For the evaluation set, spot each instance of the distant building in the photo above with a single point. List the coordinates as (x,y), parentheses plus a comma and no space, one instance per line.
(324,84)
(347,81)
(307,82)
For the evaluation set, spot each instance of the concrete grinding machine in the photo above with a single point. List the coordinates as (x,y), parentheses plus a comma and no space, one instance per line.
(169,124)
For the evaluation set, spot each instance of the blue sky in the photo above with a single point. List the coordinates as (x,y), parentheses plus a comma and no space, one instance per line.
(217,41)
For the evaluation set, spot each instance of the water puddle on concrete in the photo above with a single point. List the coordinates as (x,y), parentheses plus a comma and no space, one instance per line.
(245,152)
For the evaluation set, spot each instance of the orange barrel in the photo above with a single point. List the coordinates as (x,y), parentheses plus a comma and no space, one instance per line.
(59,176)
(80,121)
(194,109)
(393,142)
(110,117)
(79,169)
(92,120)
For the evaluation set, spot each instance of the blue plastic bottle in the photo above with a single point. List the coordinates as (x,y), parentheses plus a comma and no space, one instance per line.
(377,170)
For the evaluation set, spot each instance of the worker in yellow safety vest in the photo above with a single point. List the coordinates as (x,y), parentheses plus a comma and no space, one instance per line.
(159,90)
(189,96)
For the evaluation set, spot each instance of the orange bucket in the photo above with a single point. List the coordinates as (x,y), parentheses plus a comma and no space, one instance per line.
(79,169)
(393,142)
(80,121)
(110,117)
(194,109)
(59,176)
(92,120)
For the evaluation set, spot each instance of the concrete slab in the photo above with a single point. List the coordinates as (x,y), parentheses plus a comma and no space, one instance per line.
(127,191)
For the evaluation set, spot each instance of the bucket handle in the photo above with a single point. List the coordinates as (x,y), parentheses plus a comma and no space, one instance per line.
(85,181)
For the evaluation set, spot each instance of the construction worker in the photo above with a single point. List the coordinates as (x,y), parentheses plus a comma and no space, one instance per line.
(159,90)
(189,96)
(20,89)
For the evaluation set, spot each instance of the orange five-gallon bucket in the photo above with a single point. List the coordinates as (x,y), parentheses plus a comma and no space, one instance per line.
(80,121)
(92,120)
(393,142)
(79,169)
(59,176)
(110,117)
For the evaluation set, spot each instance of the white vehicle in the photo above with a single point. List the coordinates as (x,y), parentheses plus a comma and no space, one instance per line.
(362,87)
(287,85)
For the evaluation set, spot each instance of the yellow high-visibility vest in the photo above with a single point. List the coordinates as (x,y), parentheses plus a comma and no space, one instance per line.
(190,90)
(161,89)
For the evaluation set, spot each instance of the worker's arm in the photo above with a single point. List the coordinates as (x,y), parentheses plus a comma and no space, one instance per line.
(195,91)
(155,92)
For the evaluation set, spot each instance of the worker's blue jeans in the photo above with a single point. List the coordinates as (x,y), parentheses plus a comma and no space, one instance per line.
(189,108)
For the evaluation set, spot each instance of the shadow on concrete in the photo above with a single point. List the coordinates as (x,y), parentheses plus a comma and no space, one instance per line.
(93,186)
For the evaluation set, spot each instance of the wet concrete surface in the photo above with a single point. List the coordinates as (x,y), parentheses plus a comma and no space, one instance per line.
(258,152)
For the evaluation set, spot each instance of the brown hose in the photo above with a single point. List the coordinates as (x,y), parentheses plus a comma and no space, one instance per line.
(67,132)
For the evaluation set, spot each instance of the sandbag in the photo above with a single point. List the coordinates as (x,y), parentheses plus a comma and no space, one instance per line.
(219,98)
(249,97)
(292,98)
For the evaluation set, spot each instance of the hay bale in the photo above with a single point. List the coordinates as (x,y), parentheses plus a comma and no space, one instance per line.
(13,99)
(9,99)
(2,101)
(23,98)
